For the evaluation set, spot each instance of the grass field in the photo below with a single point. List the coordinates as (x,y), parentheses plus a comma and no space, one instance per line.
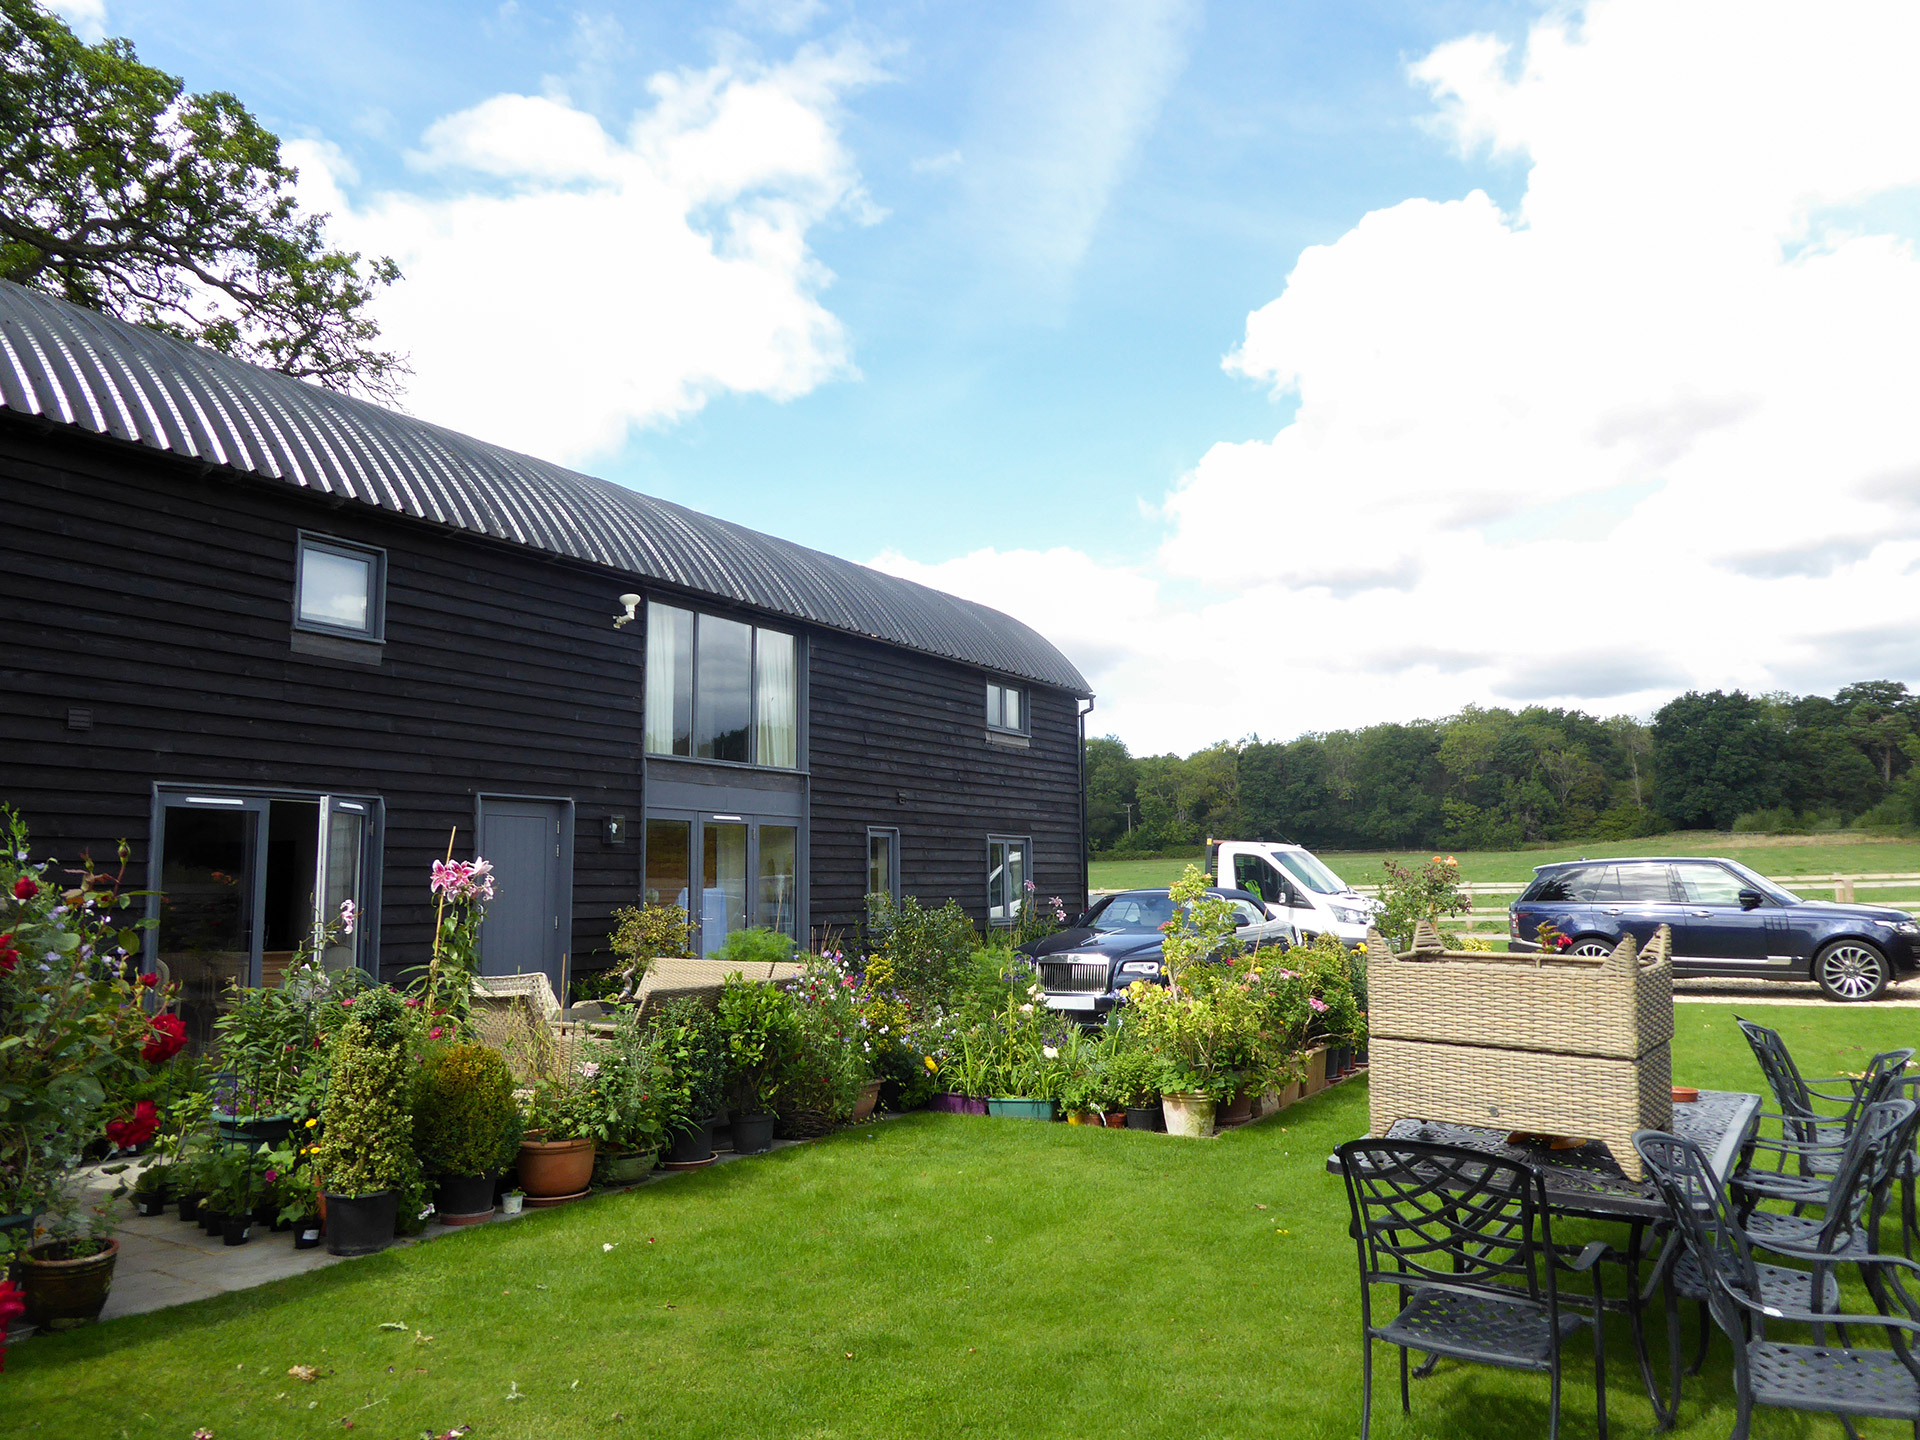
(924,1278)
(1779,856)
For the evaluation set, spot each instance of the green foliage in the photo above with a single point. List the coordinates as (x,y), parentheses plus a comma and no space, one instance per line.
(927,951)
(762,1032)
(692,1049)
(1203,927)
(755,946)
(1410,896)
(121,192)
(831,1061)
(465,1118)
(367,1143)
(642,935)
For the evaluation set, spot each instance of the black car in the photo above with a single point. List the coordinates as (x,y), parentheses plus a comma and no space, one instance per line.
(1726,921)
(1087,967)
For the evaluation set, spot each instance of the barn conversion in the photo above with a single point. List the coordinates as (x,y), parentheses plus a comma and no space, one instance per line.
(287,643)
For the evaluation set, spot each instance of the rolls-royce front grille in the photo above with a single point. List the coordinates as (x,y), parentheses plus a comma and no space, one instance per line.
(1074,975)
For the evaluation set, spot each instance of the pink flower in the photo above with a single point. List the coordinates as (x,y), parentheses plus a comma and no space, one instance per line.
(413,1003)
(348,910)
(271,1176)
(1318,1005)
(435,1033)
(347,1004)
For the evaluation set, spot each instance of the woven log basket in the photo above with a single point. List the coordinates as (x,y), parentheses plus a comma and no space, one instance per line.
(1546,1044)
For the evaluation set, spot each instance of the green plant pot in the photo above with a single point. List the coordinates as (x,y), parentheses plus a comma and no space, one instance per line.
(1015,1107)
(253,1129)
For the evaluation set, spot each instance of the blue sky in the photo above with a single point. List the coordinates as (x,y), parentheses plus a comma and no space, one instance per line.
(1479,268)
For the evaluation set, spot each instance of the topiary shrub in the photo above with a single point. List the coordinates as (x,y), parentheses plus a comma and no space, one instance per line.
(367,1142)
(465,1119)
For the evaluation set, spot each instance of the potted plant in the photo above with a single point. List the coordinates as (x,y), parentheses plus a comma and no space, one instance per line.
(238,1179)
(511,1201)
(466,1128)
(557,1143)
(1024,1079)
(631,1084)
(1134,1073)
(152,1189)
(366,1150)
(65,1278)
(762,1036)
(823,1077)
(692,1053)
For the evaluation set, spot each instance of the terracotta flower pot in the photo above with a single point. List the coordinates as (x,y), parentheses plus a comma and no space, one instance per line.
(552,1168)
(62,1294)
(869,1097)
(1238,1110)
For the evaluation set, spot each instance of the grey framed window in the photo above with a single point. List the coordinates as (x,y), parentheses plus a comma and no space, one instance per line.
(1006,708)
(883,862)
(720,689)
(1009,868)
(340,588)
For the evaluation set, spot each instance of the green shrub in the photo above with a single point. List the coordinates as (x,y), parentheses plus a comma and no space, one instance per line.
(641,936)
(756,947)
(465,1119)
(762,1035)
(367,1145)
(692,1052)
(929,949)
(830,1062)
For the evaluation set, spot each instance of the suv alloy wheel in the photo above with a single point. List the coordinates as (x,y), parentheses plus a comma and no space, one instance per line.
(1851,970)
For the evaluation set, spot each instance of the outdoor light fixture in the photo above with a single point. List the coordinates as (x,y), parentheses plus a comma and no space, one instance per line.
(616,830)
(631,602)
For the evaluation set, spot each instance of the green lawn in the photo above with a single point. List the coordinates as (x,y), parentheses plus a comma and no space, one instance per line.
(923,1278)
(1775,855)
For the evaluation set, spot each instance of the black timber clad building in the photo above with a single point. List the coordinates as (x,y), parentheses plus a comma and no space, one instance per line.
(288,644)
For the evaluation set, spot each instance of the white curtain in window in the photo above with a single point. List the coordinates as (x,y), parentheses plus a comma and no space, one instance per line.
(669,718)
(775,694)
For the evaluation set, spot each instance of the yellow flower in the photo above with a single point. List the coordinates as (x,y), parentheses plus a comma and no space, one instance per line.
(933,1066)
(312,1123)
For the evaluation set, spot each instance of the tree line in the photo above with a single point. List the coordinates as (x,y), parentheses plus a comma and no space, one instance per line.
(1494,779)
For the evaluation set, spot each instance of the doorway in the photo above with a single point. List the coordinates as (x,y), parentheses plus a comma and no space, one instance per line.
(728,872)
(245,880)
(529,925)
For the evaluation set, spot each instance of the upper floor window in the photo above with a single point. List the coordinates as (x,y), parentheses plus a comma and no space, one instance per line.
(1006,708)
(340,588)
(720,689)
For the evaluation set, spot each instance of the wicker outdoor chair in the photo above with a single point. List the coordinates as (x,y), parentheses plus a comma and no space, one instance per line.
(1846,1379)
(1467,1241)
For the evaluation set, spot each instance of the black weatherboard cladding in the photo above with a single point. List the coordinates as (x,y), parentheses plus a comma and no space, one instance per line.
(78,368)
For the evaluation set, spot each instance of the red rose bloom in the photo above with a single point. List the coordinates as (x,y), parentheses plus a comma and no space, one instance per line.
(25,888)
(13,1304)
(167,1037)
(150,979)
(9,957)
(135,1129)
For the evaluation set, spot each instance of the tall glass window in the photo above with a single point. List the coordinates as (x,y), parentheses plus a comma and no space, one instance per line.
(669,844)
(883,866)
(776,737)
(778,878)
(1006,880)
(723,695)
(669,718)
(721,689)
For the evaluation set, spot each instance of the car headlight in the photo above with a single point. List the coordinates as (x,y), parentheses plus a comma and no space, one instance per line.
(1350,917)
(1140,967)
(1906,927)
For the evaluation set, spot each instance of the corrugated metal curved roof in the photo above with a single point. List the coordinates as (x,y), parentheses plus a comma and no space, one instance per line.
(90,371)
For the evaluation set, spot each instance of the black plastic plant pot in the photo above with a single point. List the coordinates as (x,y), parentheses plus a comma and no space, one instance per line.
(753,1134)
(237,1230)
(1146,1117)
(307,1236)
(462,1196)
(150,1204)
(211,1220)
(361,1224)
(190,1206)
(690,1146)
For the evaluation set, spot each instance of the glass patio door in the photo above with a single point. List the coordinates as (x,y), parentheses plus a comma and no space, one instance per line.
(728,872)
(723,883)
(211,892)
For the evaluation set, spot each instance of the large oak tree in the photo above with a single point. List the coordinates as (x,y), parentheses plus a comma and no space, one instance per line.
(121,192)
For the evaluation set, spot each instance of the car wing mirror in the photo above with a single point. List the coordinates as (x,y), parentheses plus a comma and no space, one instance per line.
(1751,899)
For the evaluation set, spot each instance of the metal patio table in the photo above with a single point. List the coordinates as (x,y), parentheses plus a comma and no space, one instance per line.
(1588,1184)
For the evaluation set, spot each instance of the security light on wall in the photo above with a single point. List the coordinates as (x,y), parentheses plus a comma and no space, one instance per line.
(632,602)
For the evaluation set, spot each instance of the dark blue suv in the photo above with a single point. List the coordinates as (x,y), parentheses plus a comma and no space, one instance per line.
(1726,921)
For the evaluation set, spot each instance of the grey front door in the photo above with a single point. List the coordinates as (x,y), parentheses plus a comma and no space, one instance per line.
(529,922)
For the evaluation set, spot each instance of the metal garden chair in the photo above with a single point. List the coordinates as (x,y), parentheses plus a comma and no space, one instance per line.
(1814,1139)
(1845,1379)
(1467,1241)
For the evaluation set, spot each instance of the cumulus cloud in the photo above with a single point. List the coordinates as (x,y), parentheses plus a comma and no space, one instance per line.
(1648,429)
(567,282)
(88,18)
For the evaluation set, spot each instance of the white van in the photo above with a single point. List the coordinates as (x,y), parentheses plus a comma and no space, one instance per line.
(1293,881)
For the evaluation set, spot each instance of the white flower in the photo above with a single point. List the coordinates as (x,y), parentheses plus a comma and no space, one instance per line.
(607,1245)
(589,1069)
(1026,1009)
(1050,1051)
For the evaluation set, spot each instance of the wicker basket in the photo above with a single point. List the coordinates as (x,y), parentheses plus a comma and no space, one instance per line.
(1541,1044)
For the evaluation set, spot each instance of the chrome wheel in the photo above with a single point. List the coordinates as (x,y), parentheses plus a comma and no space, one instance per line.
(1592,949)
(1851,970)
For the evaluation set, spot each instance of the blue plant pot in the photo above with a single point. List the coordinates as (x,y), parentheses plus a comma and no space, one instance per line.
(1012,1107)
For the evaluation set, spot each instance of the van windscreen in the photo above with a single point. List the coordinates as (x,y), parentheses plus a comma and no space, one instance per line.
(1310,872)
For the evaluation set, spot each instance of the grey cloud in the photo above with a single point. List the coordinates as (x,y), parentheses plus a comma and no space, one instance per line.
(1413,657)
(1814,561)
(1662,433)
(1843,656)
(1344,582)
(1589,675)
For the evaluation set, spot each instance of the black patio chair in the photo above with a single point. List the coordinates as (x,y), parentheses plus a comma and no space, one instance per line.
(1467,1241)
(1845,1379)
(1815,1140)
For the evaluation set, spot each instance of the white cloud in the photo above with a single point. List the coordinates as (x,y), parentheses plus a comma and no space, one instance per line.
(87,18)
(566,283)
(1651,429)
(1062,111)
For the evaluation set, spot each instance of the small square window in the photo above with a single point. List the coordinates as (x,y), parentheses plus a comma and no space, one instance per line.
(1006,708)
(340,588)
